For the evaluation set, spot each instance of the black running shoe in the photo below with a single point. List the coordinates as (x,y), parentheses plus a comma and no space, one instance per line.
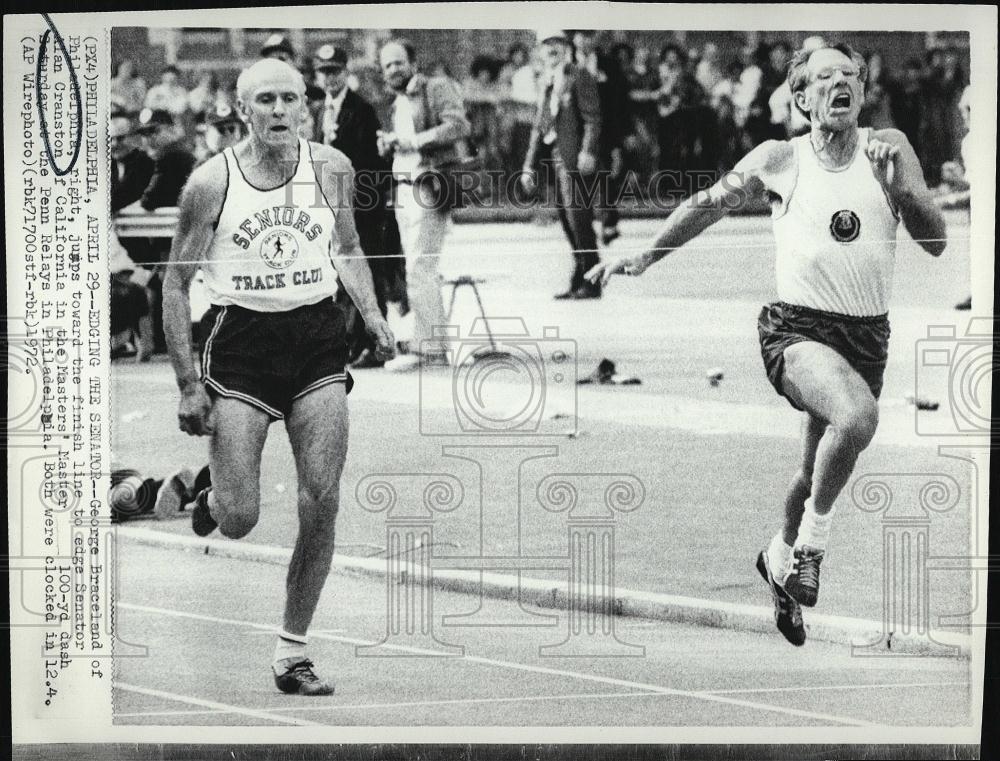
(202,522)
(299,679)
(787,613)
(802,582)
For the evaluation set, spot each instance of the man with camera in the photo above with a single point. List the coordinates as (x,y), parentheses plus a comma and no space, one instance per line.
(838,194)
(429,130)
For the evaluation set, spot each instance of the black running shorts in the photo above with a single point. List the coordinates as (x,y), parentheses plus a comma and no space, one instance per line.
(270,359)
(862,341)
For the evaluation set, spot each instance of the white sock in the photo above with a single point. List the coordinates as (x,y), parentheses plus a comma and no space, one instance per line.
(289,646)
(779,555)
(814,531)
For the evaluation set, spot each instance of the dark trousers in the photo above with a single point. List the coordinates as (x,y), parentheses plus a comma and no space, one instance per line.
(609,189)
(377,244)
(577,217)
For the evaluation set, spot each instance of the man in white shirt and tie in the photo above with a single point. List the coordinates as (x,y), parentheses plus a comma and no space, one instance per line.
(568,128)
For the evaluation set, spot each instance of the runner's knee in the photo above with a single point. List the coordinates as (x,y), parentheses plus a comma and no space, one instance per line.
(326,495)
(858,426)
(240,510)
(238,525)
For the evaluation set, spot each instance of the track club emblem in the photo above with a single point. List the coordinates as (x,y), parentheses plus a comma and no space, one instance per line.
(279,249)
(845,226)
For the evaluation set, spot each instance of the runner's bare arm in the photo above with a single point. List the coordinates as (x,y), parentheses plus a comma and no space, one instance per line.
(200,205)
(897,167)
(752,175)
(337,183)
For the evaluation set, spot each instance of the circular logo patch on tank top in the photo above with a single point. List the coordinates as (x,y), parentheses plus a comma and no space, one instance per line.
(845,226)
(279,249)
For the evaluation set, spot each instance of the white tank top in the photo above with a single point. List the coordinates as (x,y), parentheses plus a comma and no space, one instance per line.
(836,236)
(271,250)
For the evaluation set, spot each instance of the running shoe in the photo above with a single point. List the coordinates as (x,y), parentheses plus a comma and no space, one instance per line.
(202,522)
(787,613)
(300,679)
(171,496)
(802,581)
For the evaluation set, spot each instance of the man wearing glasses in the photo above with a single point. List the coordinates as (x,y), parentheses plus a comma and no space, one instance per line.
(837,196)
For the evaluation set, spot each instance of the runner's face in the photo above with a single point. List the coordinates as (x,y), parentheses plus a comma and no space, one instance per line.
(274,109)
(835,92)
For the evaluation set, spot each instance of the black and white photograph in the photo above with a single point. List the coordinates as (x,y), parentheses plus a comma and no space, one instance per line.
(528,383)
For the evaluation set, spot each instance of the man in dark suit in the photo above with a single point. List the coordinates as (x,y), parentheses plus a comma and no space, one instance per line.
(612,91)
(163,140)
(346,121)
(131,168)
(568,121)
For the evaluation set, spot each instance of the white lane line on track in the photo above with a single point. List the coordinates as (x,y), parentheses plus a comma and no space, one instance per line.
(652,688)
(660,411)
(419,703)
(216,706)
(822,687)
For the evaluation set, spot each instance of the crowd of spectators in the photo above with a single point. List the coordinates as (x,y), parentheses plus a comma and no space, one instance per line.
(687,109)
(690,108)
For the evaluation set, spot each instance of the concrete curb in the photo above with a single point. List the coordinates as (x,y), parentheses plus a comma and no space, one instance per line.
(863,634)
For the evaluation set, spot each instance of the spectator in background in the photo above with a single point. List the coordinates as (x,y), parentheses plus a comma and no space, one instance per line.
(169,95)
(876,112)
(481,92)
(278,46)
(708,72)
(745,96)
(131,168)
(309,127)
(784,117)
(163,140)
(644,84)
(131,172)
(441,70)
(522,94)
(223,129)
(943,87)
(727,87)
(961,175)
(568,125)
(612,92)
(518,60)
(732,140)
(524,80)
(131,327)
(906,105)
(128,89)
(429,129)
(348,123)
(687,130)
(204,96)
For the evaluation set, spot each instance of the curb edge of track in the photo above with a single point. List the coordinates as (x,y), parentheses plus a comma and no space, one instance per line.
(866,637)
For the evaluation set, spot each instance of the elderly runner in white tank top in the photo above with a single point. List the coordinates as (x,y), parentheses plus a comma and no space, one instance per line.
(837,195)
(270,222)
